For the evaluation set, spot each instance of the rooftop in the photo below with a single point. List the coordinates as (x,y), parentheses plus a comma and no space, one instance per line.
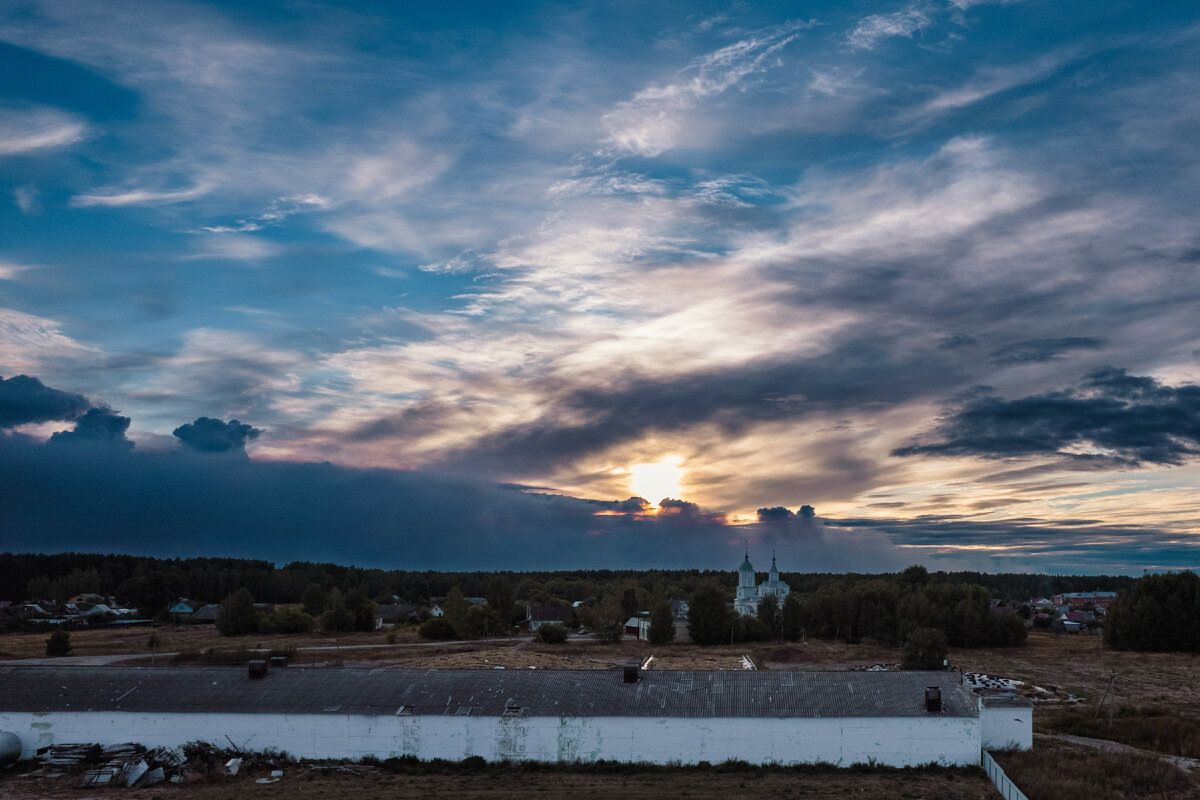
(378,692)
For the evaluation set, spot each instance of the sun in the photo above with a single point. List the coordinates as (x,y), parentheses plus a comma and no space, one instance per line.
(658,480)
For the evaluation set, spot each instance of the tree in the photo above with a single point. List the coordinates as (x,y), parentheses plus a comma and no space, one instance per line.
(338,617)
(500,599)
(315,599)
(552,633)
(769,616)
(458,613)
(709,619)
(925,648)
(791,618)
(59,643)
(1157,613)
(237,615)
(150,593)
(362,608)
(662,623)
(437,628)
(608,620)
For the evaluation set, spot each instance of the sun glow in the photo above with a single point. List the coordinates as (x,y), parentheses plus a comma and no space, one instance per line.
(658,480)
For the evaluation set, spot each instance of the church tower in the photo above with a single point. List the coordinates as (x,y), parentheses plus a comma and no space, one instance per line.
(746,601)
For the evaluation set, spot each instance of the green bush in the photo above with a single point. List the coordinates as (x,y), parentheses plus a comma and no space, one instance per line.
(552,633)
(291,620)
(59,643)
(437,629)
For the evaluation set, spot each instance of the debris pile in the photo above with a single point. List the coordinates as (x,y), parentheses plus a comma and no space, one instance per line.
(126,764)
(132,765)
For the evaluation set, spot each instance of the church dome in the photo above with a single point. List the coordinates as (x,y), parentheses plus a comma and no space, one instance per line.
(746,566)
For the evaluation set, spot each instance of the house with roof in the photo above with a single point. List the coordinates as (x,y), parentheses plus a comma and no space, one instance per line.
(537,616)
(631,715)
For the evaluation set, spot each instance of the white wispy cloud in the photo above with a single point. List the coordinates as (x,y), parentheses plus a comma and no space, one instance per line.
(31,130)
(651,122)
(236,247)
(30,344)
(139,197)
(870,30)
(9,270)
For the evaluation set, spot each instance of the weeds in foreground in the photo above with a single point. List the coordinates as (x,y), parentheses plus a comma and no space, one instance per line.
(1056,773)
(1147,727)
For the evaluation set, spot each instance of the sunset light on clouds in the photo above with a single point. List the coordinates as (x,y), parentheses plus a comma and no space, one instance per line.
(469,277)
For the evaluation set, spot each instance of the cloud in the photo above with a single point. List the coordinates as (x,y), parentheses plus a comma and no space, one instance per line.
(687,513)
(139,197)
(98,426)
(652,121)
(871,29)
(776,514)
(1113,416)
(179,504)
(208,435)
(1038,350)
(29,131)
(9,271)
(24,399)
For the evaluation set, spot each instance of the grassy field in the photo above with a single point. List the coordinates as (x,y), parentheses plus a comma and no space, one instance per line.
(509,784)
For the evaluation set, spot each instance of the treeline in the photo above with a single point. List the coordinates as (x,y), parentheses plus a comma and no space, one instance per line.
(62,575)
(1158,613)
(886,608)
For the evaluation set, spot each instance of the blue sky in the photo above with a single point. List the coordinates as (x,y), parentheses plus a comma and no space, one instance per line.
(928,267)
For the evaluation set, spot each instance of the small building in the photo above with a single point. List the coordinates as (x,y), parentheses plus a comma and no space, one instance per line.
(639,626)
(545,615)
(658,716)
(206,614)
(1081,599)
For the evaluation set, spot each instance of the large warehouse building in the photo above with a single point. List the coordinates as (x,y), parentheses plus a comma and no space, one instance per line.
(659,716)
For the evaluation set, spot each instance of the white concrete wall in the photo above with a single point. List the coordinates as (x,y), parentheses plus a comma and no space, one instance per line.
(1006,727)
(894,741)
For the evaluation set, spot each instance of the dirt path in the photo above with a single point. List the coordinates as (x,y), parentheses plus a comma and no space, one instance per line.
(1185,764)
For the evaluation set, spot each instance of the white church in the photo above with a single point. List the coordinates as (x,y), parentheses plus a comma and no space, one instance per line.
(750,597)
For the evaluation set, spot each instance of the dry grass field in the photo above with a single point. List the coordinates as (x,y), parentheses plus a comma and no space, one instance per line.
(307,784)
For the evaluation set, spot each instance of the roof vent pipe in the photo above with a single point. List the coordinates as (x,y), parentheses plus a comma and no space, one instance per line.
(631,671)
(933,699)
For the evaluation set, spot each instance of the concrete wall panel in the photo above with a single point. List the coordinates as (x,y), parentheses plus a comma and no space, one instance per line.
(902,741)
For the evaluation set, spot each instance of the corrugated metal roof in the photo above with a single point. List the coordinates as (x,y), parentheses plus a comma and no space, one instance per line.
(658,693)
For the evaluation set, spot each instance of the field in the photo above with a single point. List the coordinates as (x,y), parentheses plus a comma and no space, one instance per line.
(305,784)
(1150,701)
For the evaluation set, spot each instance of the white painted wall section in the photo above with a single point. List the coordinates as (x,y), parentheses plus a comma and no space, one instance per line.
(899,741)
(1006,726)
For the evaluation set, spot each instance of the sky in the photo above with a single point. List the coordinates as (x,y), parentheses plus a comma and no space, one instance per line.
(536,285)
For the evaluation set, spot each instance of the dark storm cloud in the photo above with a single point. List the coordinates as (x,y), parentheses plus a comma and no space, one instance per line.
(687,513)
(776,514)
(858,374)
(956,340)
(1112,417)
(182,503)
(209,435)
(97,426)
(1032,351)
(24,399)
(1030,544)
